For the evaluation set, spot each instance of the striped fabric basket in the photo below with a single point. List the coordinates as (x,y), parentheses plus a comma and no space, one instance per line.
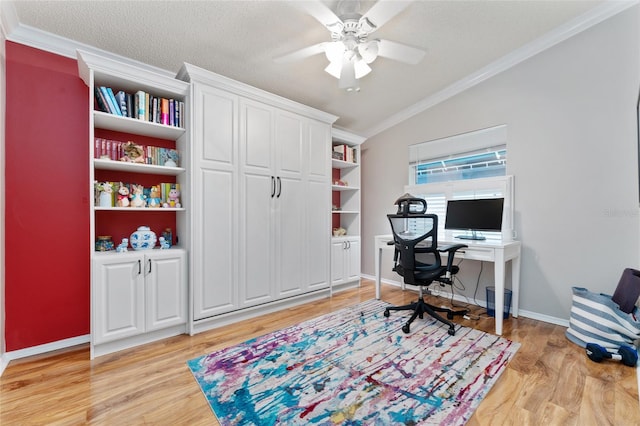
(595,318)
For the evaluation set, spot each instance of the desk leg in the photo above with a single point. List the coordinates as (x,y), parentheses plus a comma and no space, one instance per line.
(378,261)
(515,285)
(499,267)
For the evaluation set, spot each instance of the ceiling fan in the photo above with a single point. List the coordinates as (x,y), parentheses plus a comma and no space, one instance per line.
(352,50)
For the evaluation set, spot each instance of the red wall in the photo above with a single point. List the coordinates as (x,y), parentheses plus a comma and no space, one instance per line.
(46,211)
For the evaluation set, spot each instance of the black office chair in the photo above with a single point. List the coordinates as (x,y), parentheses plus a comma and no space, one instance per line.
(417,258)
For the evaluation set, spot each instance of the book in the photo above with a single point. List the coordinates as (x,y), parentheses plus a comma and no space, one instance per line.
(100,100)
(164,110)
(114,102)
(110,104)
(129,105)
(140,104)
(121,99)
(172,112)
(146,107)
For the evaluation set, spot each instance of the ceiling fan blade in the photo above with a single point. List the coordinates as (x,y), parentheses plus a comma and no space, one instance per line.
(400,52)
(301,54)
(383,11)
(319,11)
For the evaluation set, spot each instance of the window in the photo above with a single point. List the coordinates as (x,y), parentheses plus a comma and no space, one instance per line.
(473,155)
(468,166)
(486,163)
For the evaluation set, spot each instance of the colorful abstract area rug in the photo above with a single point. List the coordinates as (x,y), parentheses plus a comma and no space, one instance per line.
(354,367)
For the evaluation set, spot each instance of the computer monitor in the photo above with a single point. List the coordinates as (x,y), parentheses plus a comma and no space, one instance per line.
(484,214)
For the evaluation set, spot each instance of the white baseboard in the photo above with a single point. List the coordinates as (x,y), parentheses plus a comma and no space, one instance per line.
(47,347)
(4,361)
(483,303)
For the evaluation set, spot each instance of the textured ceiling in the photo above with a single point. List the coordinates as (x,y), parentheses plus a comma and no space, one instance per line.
(240,39)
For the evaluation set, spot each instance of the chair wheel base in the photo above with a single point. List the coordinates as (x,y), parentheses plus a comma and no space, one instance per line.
(452,331)
(406,329)
(386,313)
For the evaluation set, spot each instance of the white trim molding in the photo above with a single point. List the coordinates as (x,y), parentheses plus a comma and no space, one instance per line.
(47,347)
(585,21)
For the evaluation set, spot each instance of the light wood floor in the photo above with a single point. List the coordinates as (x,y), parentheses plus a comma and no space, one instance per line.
(549,382)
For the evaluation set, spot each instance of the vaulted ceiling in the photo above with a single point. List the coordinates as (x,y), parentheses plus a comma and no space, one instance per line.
(240,39)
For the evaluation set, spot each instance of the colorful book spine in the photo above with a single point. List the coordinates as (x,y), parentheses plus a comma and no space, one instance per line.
(100,100)
(121,100)
(164,111)
(114,102)
(140,104)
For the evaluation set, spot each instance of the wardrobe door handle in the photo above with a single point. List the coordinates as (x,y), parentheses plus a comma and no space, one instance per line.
(273,186)
(279,187)
(139,267)
(149,266)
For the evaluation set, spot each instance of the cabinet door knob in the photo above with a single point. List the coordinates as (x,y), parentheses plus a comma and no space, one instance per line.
(139,267)
(149,261)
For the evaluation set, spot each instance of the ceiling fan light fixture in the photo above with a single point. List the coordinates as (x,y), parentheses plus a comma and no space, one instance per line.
(334,51)
(348,80)
(361,69)
(334,68)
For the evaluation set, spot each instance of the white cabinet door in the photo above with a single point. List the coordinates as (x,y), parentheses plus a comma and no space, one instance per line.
(345,260)
(259,186)
(316,247)
(166,289)
(118,297)
(337,261)
(353,260)
(215,202)
(289,204)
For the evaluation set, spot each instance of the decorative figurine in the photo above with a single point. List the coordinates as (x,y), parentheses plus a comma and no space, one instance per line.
(137,198)
(123,196)
(154,199)
(173,200)
(171,158)
(105,198)
(164,244)
(133,153)
(122,247)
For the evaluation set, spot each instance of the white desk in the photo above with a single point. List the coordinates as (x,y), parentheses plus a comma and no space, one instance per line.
(497,252)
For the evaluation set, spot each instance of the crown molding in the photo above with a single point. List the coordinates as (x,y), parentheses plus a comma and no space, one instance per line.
(342,135)
(559,34)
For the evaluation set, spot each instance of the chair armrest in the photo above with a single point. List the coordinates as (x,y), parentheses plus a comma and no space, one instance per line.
(451,249)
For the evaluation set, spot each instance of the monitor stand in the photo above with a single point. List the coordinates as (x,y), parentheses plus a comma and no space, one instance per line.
(472,236)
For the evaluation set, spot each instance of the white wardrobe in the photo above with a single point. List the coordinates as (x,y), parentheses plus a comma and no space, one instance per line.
(261,204)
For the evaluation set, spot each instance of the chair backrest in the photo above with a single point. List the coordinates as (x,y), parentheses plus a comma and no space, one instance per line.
(415,238)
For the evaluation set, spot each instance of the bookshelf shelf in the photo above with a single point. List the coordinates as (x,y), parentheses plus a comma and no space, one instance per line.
(140,209)
(101,164)
(104,120)
(339,164)
(344,188)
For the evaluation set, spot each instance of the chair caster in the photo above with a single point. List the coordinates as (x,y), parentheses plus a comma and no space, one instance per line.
(452,331)
(406,329)
(386,313)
